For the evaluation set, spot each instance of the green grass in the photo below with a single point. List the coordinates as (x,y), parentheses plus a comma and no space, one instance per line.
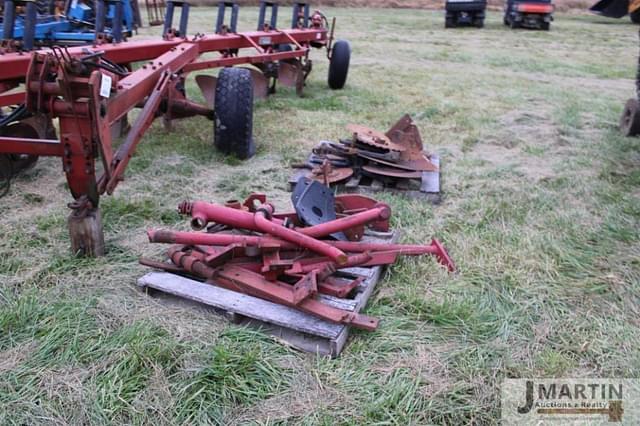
(541,212)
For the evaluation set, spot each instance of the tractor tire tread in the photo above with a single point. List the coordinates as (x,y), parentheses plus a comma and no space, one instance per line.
(233,122)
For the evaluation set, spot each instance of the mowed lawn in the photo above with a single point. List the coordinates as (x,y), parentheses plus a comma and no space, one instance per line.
(541,212)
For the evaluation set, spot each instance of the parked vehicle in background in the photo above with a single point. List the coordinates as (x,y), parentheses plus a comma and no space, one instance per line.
(536,14)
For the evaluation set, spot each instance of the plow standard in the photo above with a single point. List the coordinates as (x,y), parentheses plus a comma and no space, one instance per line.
(90,91)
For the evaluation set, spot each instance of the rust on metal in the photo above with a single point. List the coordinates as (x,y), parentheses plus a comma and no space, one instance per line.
(372,137)
(274,257)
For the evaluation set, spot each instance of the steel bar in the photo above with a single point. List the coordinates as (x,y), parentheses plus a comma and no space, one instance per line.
(14,65)
(42,147)
(239,279)
(267,226)
(381,212)
(181,237)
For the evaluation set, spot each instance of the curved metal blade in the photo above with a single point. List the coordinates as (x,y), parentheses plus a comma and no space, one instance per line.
(288,74)
(260,83)
(392,172)
(207,85)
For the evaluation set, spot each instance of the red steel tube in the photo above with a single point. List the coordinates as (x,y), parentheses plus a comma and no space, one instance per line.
(265,225)
(201,238)
(380,212)
(203,213)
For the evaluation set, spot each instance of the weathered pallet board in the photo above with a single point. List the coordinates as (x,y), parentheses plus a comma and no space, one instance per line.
(297,329)
(427,188)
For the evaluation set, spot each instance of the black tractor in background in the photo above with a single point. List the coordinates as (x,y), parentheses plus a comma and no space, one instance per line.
(464,12)
(536,14)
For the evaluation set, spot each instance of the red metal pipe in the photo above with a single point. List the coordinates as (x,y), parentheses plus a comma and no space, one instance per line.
(265,225)
(12,99)
(380,212)
(435,248)
(41,147)
(201,238)
(14,65)
(202,213)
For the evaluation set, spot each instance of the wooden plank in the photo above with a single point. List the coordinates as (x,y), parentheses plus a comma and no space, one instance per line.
(296,339)
(239,303)
(336,302)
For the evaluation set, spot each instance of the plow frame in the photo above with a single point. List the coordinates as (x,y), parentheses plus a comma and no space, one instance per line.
(89,98)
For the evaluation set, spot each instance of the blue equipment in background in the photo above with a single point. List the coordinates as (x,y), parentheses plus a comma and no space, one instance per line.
(80,23)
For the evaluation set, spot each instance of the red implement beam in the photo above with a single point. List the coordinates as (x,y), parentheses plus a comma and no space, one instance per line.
(12,99)
(14,65)
(42,147)
(144,120)
(237,60)
(139,84)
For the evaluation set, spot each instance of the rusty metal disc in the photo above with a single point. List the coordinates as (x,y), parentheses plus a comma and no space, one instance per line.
(372,137)
(423,165)
(392,172)
(333,175)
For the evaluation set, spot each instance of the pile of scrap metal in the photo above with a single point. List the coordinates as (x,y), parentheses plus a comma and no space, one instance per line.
(287,258)
(369,159)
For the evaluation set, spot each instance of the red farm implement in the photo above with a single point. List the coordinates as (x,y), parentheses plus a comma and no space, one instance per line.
(90,91)
(291,257)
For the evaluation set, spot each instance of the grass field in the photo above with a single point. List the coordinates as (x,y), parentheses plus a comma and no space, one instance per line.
(541,212)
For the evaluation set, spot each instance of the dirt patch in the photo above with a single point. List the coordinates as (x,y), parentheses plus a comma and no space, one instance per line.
(13,357)
(524,142)
(307,395)
(426,362)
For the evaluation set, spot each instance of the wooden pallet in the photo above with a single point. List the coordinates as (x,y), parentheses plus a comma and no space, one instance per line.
(427,188)
(298,329)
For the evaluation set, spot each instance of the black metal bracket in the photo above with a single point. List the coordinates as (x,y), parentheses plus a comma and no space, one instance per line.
(264,5)
(221,27)
(168,18)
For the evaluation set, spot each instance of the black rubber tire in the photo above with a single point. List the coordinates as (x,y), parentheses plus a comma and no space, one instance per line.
(545,26)
(339,65)
(630,120)
(635,16)
(448,23)
(233,111)
(479,23)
